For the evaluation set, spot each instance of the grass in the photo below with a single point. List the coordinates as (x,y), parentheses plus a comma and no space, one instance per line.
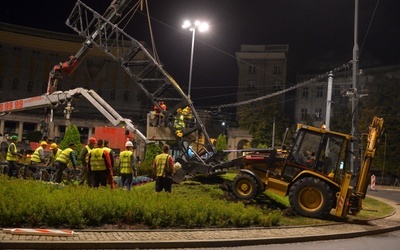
(373,209)
(193,204)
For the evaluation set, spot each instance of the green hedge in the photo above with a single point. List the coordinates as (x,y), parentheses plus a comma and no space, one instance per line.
(35,204)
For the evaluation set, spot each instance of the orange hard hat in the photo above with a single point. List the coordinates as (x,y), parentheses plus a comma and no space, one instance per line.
(92,140)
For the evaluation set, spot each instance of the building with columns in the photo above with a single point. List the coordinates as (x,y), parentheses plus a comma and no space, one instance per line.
(26,57)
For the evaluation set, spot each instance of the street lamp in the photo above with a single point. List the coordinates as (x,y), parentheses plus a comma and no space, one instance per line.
(201,26)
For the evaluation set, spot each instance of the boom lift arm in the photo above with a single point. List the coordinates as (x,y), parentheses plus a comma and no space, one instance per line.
(56,98)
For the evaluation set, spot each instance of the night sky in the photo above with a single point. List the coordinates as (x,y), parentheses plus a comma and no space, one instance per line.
(314,29)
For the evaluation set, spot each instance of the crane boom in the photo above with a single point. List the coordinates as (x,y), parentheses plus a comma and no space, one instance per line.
(154,82)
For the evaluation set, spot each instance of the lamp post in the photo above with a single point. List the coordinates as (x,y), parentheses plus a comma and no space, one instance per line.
(201,26)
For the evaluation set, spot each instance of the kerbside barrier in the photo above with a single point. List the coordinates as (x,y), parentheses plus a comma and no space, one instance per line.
(43,232)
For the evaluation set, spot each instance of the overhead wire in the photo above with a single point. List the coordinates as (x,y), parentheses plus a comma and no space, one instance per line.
(369,26)
(316,78)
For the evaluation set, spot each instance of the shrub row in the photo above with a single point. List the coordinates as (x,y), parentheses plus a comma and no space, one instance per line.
(35,204)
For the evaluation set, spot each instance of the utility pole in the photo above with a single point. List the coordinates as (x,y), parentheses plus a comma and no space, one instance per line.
(329,102)
(354,101)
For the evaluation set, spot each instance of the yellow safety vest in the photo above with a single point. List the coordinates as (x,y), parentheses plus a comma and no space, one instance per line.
(10,156)
(187,113)
(97,162)
(87,153)
(64,157)
(36,155)
(161,161)
(55,156)
(125,164)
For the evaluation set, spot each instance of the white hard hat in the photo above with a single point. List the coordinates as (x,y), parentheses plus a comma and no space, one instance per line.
(128,144)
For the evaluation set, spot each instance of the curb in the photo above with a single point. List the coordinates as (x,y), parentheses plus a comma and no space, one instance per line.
(204,238)
(187,243)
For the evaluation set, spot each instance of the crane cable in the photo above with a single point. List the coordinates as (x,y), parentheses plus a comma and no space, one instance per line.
(153,44)
(132,12)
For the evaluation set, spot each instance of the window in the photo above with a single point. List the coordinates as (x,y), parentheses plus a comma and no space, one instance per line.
(305,93)
(318,114)
(14,85)
(320,90)
(30,87)
(277,70)
(126,95)
(252,70)
(277,85)
(112,95)
(44,87)
(336,90)
(303,113)
(251,84)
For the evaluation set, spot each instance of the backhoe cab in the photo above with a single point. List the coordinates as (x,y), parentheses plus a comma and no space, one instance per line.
(314,172)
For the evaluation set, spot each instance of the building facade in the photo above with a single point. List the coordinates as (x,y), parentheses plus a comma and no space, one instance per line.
(262,71)
(311,99)
(26,57)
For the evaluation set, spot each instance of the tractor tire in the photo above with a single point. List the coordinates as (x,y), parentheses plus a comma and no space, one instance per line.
(311,197)
(245,187)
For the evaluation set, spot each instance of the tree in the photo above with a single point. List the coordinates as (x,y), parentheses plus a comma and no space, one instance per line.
(259,122)
(146,167)
(221,143)
(72,135)
(382,101)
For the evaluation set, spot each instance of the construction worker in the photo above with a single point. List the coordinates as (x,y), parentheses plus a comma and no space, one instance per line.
(84,159)
(127,165)
(158,116)
(54,153)
(67,156)
(99,166)
(179,123)
(38,156)
(12,157)
(110,151)
(188,117)
(164,108)
(164,170)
